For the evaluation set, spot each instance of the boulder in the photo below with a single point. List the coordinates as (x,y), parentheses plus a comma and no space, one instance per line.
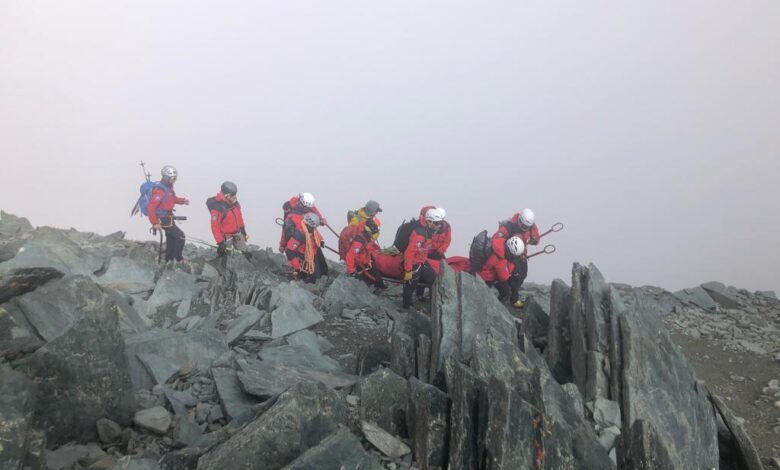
(558,351)
(173,286)
(157,420)
(83,371)
(69,455)
(242,324)
(186,432)
(128,276)
(384,399)
(696,296)
(468,395)
(236,405)
(134,463)
(606,413)
(721,294)
(108,431)
(20,281)
(348,292)
(403,359)
(299,419)
(197,348)
(643,449)
(384,441)
(160,368)
(11,225)
(340,450)
(515,428)
(291,310)
(284,366)
(50,248)
(17,404)
(306,338)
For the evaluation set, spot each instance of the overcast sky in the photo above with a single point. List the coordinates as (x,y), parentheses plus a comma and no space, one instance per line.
(651,129)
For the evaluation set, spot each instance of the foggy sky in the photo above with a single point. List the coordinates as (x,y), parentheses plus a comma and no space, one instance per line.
(649,128)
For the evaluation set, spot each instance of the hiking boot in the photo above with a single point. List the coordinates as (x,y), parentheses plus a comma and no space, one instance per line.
(518,304)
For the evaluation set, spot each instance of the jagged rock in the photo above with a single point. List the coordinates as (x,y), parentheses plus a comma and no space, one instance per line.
(198,349)
(300,419)
(384,399)
(514,436)
(403,355)
(291,310)
(66,456)
(372,357)
(696,296)
(678,412)
(384,441)
(242,324)
(643,449)
(83,372)
(576,397)
(17,404)
(20,281)
(160,368)
(536,323)
(340,450)
(606,413)
(423,358)
(558,351)
(767,294)
(597,380)
(51,248)
(108,431)
(608,436)
(427,422)
(173,286)
(186,432)
(182,459)
(306,338)
(467,426)
(346,291)
(11,225)
(127,275)
(36,451)
(284,366)
(132,463)
(721,294)
(180,400)
(157,419)
(461,308)
(16,337)
(748,455)
(236,405)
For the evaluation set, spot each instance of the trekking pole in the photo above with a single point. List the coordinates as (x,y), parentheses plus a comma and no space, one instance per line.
(147,175)
(557,227)
(548,249)
(331,249)
(159,251)
(400,281)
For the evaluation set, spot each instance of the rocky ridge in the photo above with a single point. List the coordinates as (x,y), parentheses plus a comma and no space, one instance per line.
(110,361)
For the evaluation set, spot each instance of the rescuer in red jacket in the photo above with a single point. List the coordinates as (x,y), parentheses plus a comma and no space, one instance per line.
(227,222)
(521,225)
(161,207)
(497,272)
(299,205)
(415,257)
(303,248)
(360,255)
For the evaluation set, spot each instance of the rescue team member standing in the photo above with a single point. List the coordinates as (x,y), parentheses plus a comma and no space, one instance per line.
(415,257)
(366,212)
(227,221)
(360,256)
(161,207)
(497,272)
(522,225)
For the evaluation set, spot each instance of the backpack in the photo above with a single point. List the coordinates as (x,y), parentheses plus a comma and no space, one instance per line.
(403,233)
(213,204)
(345,239)
(480,251)
(146,195)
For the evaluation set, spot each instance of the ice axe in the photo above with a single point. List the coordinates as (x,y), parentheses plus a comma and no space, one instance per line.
(557,227)
(333,231)
(548,249)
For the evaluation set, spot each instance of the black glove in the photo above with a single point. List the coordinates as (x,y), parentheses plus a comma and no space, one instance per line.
(434,255)
(221,249)
(322,244)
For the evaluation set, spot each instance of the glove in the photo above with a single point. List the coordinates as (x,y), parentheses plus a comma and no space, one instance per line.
(323,221)
(435,255)
(533,241)
(407,276)
(221,249)
(322,243)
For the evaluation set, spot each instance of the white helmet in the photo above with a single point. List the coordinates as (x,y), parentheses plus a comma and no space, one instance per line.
(307,199)
(434,215)
(442,212)
(311,219)
(516,246)
(168,172)
(527,218)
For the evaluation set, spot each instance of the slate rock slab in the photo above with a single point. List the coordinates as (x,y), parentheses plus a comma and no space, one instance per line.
(51,248)
(291,310)
(339,451)
(127,275)
(384,400)
(157,419)
(427,421)
(721,294)
(348,292)
(20,281)
(11,225)
(197,348)
(697,296)
(83,372)
(388,444)
(299,419)
(160,368)
(17,404)
(66,456)
(236,405)
(242,324)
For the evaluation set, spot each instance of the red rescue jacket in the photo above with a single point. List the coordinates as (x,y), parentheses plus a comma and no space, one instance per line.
(360,253)
(163,202)
(296,244)
(496,269)
(441,239)
(418,247)
(509,229)
(226,218)
(294,207)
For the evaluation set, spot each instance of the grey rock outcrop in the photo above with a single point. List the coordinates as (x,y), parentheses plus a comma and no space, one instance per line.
(291,310)
(17,404)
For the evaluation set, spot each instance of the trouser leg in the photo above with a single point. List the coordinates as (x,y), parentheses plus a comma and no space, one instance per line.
(517,279)
(174,243)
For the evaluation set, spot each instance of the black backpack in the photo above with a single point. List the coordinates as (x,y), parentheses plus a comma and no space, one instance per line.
(480,251)
(403,233)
